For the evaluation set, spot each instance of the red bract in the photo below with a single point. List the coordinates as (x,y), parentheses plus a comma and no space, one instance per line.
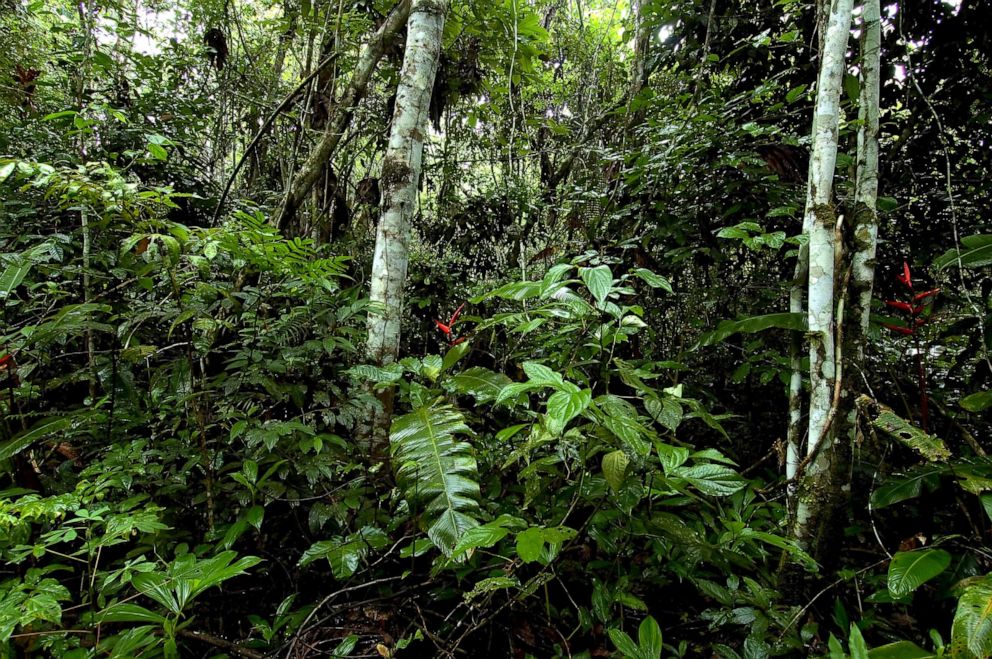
(925,294)
(901,306)
(906,279)
(444,328)
(901,330)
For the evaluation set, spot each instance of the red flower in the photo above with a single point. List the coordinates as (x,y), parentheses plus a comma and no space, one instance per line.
(446,327)
(925,294)
(906,279)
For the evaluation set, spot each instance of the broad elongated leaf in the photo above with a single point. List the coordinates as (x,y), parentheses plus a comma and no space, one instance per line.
(884,419)
(38,431)
(726,329)
(437,472)
(975,252)
(978,401)
(899,650)
(909,486)
(909,570)
(971,632)
(11,278)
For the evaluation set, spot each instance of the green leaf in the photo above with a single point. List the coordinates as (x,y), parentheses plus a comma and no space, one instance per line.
(624,644)
(971,631)
(126,612)
(976,402)
(975,252)
(908,570)
(486,535)
(6,171)
(615,468)
(715,480)
(480,383)
(542,375)
(910,486)
(346,646)
(529,544)
(884,419)
(437,472)
(727,328)
(899,650)
(454,354)
(12,277)
(158,152)
(43,428)
(653,280)
(859,649)
(599,281)
(563,406)
(649,638)
(795,94)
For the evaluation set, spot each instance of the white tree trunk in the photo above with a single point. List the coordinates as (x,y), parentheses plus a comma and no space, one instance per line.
(399,180)
(866,182)
(821,217)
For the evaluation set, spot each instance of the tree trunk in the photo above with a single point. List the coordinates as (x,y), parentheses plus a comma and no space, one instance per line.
(399,179)
(821,217)
(866,182)
(341,115)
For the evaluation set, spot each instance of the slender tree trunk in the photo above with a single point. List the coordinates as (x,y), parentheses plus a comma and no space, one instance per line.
(399,180)
(866,182)
(821,217)
(344,108)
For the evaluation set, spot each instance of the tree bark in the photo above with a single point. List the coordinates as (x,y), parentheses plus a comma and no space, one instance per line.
(866,181)
(821,217)
(341,114)
(399,180)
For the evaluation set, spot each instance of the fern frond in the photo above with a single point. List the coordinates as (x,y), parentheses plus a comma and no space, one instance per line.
(437,472)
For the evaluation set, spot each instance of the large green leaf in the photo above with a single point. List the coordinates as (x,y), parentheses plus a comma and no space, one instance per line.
(971,632)
(39,430)
(978,401)
(899,650)
(884,419)
(437,472)
(726,329)
(481,383)
(909,570)
(975,252)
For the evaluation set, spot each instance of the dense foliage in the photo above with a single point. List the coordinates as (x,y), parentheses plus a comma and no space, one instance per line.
(588,412)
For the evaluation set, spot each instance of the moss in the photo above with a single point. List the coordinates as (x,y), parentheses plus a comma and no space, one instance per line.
(395,172)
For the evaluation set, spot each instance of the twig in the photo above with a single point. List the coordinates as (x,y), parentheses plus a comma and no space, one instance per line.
(222,643)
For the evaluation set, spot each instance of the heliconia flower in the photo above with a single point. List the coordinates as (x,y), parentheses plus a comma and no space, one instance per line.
(444,328)
(901,306)
(456,341)
(920,321)
(899,329)
(925,294)
(906,279)
(6,361)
